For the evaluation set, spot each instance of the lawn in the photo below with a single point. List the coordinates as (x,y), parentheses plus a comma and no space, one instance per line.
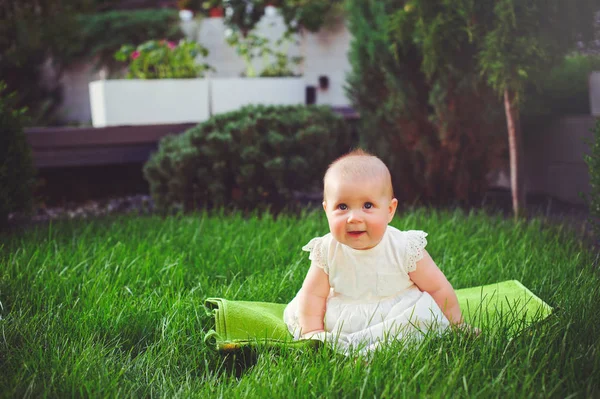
(113,307)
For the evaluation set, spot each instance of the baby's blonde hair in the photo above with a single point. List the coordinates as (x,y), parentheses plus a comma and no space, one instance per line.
(359,164)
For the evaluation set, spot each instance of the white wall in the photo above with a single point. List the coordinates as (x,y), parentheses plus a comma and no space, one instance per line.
(325,54)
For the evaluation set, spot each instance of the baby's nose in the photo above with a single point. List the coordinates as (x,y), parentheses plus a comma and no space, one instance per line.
(353,217)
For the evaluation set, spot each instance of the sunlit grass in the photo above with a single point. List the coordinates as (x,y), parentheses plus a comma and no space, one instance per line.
(113,307)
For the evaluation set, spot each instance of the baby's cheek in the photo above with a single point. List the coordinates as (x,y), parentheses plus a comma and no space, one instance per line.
(337,229)
(378,230)
(338,226)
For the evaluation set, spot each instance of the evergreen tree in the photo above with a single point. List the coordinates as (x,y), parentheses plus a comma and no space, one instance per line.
(432,126)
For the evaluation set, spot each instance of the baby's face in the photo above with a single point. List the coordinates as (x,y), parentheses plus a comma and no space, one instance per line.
(358,211)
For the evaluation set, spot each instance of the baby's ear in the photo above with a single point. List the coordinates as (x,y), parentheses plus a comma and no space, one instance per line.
(392,208)
(325,206)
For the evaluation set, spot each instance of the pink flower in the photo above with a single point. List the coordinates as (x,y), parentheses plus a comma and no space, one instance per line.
(171,45)
(135,55)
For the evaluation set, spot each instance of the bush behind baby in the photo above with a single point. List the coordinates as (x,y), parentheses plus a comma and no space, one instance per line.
(252,158)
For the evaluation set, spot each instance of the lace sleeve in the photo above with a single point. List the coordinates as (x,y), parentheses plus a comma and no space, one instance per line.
(415,243)
(317,253)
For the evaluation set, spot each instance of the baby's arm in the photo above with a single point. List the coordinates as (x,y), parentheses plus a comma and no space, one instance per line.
(429,278)
(312,300)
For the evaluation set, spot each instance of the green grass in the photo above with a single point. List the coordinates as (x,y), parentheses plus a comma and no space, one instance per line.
(113,308)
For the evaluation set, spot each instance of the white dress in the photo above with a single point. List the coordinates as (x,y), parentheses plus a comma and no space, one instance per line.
(372,298)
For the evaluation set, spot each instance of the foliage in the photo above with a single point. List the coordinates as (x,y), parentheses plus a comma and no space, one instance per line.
(39,40)
(311,15)
(520,42)
(16,165)
(562,91)
(36,37)
(243,15)
(432,121)
(164,59)
(516,43)
(274,55)
(428,73)
(103,33)
(593,163)
(249,158)
(199,6)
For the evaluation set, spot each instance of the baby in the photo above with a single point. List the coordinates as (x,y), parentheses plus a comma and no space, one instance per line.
(368,282)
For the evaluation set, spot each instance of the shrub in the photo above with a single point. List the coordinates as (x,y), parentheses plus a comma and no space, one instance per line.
(16,167)
(593,198)
(254,157)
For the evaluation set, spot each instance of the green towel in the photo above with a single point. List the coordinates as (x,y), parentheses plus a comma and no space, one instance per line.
(241,324)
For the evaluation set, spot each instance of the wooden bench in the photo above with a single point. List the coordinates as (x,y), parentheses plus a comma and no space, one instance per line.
(87,146)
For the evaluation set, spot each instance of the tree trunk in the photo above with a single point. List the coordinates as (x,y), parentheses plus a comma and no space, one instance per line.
(515,144)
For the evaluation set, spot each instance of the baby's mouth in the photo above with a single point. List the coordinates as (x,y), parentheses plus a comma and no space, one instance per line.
(355,233)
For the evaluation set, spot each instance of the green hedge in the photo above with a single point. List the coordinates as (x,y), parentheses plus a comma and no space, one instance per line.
(254,157)
(16,166)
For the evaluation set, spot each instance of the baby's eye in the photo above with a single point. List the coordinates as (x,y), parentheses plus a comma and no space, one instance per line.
(368,205)
(342,207)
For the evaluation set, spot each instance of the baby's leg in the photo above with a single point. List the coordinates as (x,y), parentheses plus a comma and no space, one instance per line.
(404,323)
(290,317)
